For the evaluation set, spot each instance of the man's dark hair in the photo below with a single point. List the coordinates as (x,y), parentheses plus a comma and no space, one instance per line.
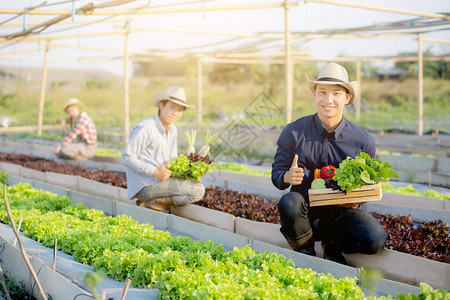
(164,102)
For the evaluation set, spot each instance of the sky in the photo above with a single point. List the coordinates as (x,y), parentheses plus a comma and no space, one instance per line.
(307,16)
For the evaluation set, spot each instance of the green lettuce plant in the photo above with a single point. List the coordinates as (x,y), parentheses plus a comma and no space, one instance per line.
(362,170)
(183,168)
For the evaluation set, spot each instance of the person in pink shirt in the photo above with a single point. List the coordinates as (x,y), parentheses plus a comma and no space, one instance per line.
(80,142)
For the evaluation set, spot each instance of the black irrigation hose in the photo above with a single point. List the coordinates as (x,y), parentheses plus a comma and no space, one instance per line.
(76,296)
(34,284)
(37,274)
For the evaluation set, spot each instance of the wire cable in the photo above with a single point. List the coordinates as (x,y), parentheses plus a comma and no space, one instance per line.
(96,21)
(23,12)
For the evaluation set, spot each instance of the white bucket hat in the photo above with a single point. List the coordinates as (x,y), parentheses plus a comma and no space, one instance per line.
(173,93)
(334,73)
(73,102)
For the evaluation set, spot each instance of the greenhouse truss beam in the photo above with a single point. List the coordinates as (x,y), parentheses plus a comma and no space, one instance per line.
(92,9)
(150,10)
(71,22)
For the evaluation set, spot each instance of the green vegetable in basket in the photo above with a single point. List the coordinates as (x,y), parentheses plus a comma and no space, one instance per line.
(318,184)
(362,170)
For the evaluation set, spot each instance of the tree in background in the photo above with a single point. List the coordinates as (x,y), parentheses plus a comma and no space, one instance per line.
(165,67)
(432,69)
(221,73)
(366,68)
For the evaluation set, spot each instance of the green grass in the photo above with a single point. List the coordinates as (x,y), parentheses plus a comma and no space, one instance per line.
(387,105)
(395,105)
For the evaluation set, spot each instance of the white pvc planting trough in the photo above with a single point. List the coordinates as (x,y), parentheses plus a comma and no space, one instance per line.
(67,281)
(392,263)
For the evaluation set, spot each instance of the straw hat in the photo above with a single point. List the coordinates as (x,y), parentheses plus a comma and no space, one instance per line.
(334,73)
(73,102)
(173,93)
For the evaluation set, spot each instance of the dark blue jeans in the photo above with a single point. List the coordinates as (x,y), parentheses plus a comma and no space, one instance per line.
(353,230)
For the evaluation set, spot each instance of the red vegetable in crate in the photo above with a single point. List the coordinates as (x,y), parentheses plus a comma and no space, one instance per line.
(327,172)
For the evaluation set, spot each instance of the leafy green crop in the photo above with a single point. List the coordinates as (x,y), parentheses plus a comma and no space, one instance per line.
(178,266)
(426,293)
(107,152)
(17,289)
(183,168)
(410,190)
(233,167)
(361,170)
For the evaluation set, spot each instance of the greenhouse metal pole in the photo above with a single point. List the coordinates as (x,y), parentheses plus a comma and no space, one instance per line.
(42,98)
(199,90)
(420,75)
(288,65)
(126,96)
(358,78)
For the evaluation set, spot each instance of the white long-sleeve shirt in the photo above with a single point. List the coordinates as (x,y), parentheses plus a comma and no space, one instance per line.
(149,148)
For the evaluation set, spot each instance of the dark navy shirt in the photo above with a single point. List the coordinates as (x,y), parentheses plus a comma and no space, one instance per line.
(316,148)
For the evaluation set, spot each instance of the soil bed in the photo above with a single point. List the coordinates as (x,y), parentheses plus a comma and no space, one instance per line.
(244,205)
(45,165)
(428,239)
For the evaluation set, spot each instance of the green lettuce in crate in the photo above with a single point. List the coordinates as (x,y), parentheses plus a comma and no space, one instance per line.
(362,170)
(183,168)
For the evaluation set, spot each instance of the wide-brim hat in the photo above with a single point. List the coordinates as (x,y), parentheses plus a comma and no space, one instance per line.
(173,93)
(73,102)
(334,73)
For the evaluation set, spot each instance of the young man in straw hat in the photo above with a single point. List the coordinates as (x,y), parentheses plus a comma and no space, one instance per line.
(152,145)
(81,142)
(325,138)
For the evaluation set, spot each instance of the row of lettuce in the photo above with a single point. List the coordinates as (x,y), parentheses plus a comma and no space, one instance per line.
(176,265)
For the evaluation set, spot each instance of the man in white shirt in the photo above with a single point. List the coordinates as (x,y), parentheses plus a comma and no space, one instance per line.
(152,145)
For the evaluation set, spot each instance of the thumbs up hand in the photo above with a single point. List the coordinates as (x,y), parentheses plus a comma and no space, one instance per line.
(295,174)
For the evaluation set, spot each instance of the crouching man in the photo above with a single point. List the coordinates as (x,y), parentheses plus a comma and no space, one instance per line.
(312,142)
(152,145)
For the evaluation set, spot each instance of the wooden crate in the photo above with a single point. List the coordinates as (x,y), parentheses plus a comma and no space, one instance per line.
(373,192)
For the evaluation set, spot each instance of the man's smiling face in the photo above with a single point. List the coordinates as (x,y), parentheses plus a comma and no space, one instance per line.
(330,100)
